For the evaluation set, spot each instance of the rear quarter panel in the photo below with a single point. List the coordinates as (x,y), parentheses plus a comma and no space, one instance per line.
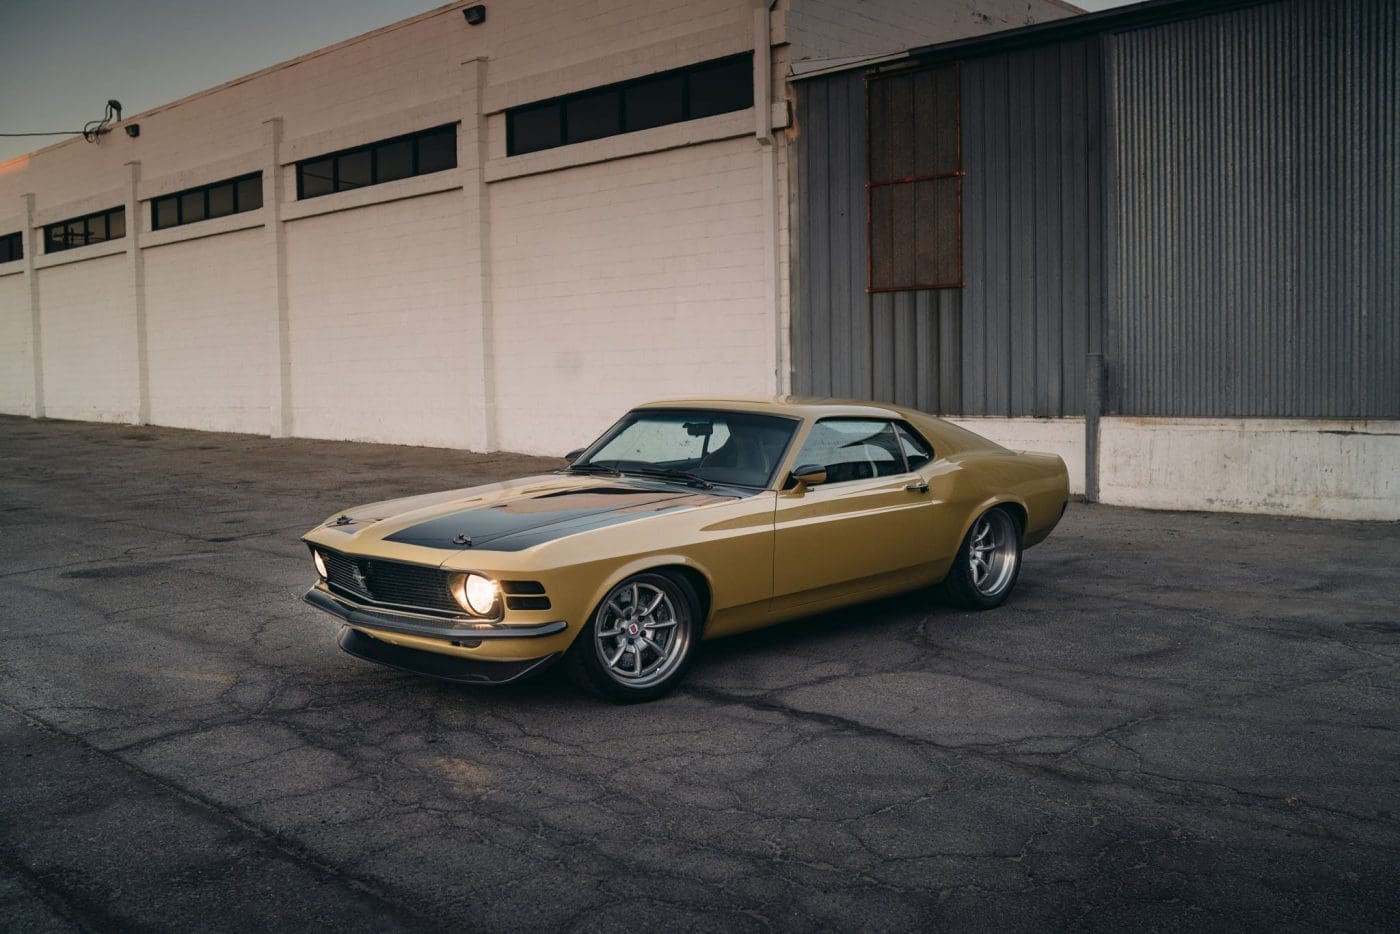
(1037,483)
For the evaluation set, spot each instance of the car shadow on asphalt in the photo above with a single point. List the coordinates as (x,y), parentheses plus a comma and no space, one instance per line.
(818,634)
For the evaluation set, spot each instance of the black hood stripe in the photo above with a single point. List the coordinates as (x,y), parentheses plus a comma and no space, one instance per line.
(523,522)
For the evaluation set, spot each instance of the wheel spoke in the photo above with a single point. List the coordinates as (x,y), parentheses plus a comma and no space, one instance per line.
(654,647)
(618,609)
(664,624)
(636,598)
(637,659)
(621,650)
(651,607)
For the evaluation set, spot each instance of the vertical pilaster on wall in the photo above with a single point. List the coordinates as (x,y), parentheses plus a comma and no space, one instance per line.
(772,289)
(1093,409)
(36,331)
(768,166)
(480,355)
(136,287)
(279,333)
(1110,341)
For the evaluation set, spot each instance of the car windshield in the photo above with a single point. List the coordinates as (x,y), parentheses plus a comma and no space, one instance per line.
(735,448)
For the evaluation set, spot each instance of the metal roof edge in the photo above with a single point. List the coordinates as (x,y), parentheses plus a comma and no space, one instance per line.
(833,65)
(1148,13)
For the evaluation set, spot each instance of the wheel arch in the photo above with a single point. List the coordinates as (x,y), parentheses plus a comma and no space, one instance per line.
(1012,504)
(696,576)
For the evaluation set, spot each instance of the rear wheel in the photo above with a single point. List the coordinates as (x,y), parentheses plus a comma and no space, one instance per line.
(988,563)
(640,640)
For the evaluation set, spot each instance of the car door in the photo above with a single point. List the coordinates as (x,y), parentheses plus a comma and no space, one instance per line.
(871,519)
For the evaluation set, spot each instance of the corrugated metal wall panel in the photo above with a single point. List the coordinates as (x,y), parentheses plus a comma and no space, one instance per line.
(918,355)
(830,312)
(1258,213)
(1012,342)
(1032,224)
(1229,237)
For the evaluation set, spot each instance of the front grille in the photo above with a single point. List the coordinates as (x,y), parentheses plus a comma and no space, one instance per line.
(391,583)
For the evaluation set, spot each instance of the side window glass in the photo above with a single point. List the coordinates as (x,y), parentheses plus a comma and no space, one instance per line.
(853,449)
(916,451)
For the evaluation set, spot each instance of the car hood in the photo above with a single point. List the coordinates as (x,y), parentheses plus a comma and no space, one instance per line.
(518,514)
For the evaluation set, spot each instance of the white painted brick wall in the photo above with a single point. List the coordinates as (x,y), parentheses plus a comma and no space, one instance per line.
(624,281)
(16,377)
(611,283)
(377,326)
(89,341)
(206,308)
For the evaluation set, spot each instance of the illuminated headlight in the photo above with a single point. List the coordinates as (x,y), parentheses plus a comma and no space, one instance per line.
(320,563)
(476,594)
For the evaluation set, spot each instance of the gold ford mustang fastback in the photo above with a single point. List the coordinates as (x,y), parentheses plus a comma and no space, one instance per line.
(686,520)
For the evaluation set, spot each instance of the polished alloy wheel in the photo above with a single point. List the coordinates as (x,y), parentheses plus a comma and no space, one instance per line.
(992,553)
(638,635)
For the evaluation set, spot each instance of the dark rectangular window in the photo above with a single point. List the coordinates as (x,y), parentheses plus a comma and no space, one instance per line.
(435,151)
(387,160)
(81,231)
(220,199)
(354,170)
(534,128)
(915,181)
(719,87)
(11,248)
(702,90)
(394,160)
(654,103)
(592,116)
(192,207)
(248,191)
(315,178)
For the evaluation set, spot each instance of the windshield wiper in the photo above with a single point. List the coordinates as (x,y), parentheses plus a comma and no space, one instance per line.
(667,473)
(594,468)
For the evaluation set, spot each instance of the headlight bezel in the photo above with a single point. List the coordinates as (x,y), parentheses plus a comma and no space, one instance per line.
(462,587)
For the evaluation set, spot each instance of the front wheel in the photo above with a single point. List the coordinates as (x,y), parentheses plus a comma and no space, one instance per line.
(639,641)
(988,562)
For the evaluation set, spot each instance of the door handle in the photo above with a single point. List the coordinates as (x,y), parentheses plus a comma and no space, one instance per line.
(918,486)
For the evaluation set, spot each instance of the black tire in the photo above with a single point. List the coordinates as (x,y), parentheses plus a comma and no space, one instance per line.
(1000,563)
(604,664)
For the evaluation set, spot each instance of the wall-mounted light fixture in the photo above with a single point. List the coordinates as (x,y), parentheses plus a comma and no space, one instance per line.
(133,130)
(476,15)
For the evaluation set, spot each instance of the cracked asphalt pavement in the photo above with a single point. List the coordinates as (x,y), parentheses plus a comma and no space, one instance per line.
(1178,721)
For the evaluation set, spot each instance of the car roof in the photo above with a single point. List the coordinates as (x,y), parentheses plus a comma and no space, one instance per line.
(800,406)
(946,437)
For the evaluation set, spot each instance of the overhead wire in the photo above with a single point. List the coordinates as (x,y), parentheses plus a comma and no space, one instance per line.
(91,130)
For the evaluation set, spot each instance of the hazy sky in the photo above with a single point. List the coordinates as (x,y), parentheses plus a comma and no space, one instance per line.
(60,60)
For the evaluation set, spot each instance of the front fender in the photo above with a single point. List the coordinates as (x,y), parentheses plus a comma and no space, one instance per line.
(649,563)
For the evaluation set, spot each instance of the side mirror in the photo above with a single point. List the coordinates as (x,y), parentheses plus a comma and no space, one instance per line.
(574,455)
(809,475)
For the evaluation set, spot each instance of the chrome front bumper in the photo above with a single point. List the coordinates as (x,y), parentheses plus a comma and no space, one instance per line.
(432,627)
